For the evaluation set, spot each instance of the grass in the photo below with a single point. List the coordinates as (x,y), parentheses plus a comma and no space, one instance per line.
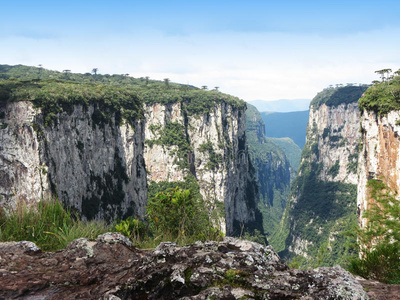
(48,225)
(51,227)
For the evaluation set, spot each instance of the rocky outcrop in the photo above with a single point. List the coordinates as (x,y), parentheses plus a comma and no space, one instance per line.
(101,166)
(322,204)
(380,155)
(110,267)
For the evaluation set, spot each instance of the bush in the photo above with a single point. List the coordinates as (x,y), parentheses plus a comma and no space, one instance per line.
(175,214)
(132,228)
(382,263)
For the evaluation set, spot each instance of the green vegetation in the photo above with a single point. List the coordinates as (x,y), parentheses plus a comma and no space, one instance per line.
(234,278)
(190,183)
(48,225)
(173,215)
(178,215)
(382,97)
(213,158)
(379,241)
(174,134)
(292,151)
(353,162)
(273,175)
(320,212)
(55,92)
(292,125)
(56,96)
(339,95)
(334,170)
(132,228)
(323,213)
(163,193)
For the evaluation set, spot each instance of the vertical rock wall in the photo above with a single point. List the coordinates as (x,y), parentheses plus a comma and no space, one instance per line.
(101,168)
(380,155)
(322,203)
(212,148)
(93,167)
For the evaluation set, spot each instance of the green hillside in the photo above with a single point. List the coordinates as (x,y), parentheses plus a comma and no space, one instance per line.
(292,151)
(291,124)
(272,171)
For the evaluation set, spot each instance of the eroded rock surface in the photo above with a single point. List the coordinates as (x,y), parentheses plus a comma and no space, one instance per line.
(112,268)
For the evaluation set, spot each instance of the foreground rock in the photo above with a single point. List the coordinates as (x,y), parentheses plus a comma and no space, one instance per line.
(112,268)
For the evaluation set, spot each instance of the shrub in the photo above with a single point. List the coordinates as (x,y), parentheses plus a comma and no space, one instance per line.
(132,228)
(379,241)
(176,214)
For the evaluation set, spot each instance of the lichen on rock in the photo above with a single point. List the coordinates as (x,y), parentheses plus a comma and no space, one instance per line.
(108,268)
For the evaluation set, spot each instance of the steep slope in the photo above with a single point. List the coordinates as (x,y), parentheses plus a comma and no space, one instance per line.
(292,151)
(380,127)
(97,142)
(290,124)
(273,173)
(322,204)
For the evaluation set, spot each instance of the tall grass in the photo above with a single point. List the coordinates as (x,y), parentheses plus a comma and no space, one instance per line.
(47,224)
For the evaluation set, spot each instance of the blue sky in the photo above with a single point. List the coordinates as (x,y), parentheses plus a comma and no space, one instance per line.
(251,49)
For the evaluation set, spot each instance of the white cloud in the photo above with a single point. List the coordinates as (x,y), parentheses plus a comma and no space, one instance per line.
(248,65)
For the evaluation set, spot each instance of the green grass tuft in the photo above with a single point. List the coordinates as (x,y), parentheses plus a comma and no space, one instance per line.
(48,225)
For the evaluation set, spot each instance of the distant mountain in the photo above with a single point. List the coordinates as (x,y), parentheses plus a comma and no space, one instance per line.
(290,124)
(283,105)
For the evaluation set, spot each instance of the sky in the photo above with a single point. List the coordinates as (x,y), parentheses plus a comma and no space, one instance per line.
(256,50)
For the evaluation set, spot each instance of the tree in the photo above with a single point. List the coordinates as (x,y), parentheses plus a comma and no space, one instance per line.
(204,87)
(383,72)
(94,71)
(66,72)
(40,70)
(216,88)
(147,80)
(166,81)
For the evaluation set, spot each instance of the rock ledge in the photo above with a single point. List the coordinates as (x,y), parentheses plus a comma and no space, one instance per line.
(112,268)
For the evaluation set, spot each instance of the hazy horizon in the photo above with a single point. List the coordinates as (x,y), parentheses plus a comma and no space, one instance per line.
(253,50)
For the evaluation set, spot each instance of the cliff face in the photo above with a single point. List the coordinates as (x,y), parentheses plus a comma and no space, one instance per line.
(212,148)
(322,203)
(273,173)
(335,132)
(380,155)
(95,168)
(102,168)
